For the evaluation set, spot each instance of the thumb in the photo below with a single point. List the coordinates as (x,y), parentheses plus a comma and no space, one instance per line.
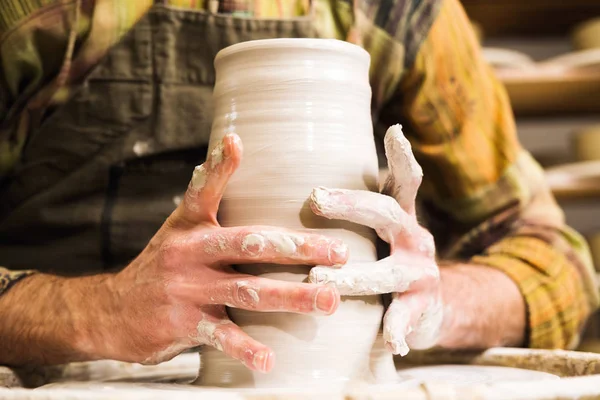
(405,173)
(209,180)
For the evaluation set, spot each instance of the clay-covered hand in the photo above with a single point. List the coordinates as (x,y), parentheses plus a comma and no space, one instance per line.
(410,273)
(173,295)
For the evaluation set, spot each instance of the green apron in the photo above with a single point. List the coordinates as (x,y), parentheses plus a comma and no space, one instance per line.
(101,174)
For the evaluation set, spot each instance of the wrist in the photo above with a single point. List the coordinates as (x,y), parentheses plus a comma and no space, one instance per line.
(483,308)
(450,328)
(93,315)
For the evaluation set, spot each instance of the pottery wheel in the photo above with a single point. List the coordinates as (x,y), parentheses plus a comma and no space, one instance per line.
(471,374)
(455,375)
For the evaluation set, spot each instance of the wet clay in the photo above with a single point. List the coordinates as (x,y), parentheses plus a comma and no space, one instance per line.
(492,374)
(302,110)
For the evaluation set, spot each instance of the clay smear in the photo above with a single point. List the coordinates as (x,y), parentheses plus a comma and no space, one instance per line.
(216,156)
(206,332)
(386,276)
(284,243)
(381,213)
(214,243)
(166,353)
(405,172)
(429,325)
(198,178)
(253,244)
(395,329)
(247,293)
(399,152)
(200,171)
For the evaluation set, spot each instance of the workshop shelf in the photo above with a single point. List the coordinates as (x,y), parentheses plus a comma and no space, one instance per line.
(539,92)
(531,17)
(575,181)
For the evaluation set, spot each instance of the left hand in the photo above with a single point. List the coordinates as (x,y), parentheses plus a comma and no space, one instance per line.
(410,273)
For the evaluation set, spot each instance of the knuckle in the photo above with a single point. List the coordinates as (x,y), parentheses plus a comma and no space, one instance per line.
(389,209)
(213,243)
(427,236)
(389,203)
(170,254)
(296,299)
(252,244)
(246,294)
(434,272)
(172,288)
(426,243)
(217,338)
(222,338)
(215,334)
(298,302)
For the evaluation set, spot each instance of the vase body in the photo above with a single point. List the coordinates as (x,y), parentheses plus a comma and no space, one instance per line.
(302,110)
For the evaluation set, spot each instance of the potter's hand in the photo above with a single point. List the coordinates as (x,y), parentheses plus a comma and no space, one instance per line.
(411,273)
(173,296)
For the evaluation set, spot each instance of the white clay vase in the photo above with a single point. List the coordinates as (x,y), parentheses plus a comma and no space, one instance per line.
(302,110)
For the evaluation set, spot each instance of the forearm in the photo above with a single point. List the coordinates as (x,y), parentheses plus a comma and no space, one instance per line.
(483,308)
(46,319)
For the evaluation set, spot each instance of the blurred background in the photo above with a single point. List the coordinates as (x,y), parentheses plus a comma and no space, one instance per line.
(547,54)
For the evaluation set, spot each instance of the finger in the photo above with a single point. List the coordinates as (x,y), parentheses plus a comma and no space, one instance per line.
(240,245)
(205,190)
(224,335)
(392,274)
(426,330)
(380,212)
(261,294)
(242,347)
(413,321)
(396,326)
(405,173)
(377,211)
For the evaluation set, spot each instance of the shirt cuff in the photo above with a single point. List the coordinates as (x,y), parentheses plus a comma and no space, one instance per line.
(8,278)
(557,298)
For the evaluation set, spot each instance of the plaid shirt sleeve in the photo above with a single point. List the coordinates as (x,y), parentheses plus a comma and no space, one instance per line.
(8,278)
(484,197)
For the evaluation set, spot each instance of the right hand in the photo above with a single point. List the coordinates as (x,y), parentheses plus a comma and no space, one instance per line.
(173,295)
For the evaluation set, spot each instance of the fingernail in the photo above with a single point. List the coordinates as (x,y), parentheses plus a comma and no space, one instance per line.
(232,138)
(236,141)
(263,360)
(338,253)
(327,300)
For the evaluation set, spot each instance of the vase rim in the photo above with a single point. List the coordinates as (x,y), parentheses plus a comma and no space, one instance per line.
(290,43)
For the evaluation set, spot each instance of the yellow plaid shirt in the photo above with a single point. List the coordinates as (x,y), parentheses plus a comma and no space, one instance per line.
(483,197)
